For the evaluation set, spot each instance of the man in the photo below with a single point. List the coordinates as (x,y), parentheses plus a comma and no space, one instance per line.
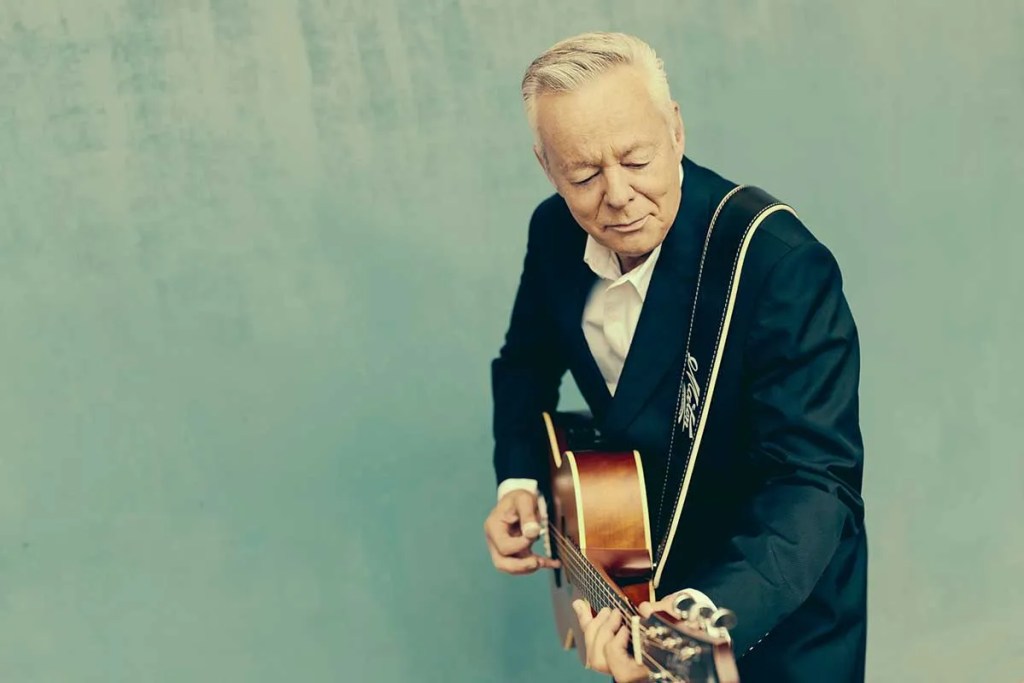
(772,526)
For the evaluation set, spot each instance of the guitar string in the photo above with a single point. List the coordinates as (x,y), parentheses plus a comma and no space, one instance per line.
(590,573)
(595,582)
(595,594)
(574,562)
(584,567)
(569,552)
(575,558)
(579,577)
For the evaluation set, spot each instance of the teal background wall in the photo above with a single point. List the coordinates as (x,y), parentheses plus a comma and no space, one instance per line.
(255,257)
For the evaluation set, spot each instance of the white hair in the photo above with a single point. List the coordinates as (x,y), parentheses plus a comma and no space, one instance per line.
(573,62)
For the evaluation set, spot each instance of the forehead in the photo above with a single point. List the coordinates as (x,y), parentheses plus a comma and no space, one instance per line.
(613,114)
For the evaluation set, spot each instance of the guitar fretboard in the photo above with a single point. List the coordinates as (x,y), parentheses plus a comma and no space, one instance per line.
(591,583)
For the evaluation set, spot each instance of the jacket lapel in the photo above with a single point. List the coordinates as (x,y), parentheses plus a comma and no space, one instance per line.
(573,289)
(660,335)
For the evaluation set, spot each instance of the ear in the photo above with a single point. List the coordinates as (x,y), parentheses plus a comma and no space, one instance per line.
(543,161)
(678,129)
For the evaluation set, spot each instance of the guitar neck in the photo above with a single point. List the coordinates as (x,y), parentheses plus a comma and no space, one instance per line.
(672,651)
(591,580)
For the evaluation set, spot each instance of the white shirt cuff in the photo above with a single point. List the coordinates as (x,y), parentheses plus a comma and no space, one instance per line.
(516,484)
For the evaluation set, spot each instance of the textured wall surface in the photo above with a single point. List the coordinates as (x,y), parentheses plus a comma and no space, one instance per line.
(255,256)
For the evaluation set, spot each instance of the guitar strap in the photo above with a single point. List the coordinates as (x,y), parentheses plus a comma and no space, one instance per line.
(732,227)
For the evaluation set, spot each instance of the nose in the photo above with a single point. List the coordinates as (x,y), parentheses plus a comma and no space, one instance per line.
(617,192)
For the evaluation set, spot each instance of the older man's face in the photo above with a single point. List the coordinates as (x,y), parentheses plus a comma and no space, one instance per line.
(613,154)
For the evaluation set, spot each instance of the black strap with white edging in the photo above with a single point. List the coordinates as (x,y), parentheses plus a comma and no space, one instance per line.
(732,226)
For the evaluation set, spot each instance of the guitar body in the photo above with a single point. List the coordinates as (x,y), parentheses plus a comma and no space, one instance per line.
(600,503)
(599,529)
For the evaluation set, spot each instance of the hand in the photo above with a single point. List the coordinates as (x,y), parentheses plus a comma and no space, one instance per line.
(511,529)
(607,638)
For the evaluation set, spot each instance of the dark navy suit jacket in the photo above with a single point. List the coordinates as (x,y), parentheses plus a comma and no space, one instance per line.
(773,523)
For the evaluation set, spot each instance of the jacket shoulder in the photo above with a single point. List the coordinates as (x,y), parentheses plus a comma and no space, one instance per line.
(550,213)
(779,234)
(552,227)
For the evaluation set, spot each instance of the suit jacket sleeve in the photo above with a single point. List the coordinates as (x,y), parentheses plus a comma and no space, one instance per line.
(527,374)
(803,362)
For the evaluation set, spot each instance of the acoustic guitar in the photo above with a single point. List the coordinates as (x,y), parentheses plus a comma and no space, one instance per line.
(598,527)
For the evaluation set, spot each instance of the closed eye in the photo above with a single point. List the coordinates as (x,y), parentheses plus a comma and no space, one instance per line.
(585,181)
(637,165)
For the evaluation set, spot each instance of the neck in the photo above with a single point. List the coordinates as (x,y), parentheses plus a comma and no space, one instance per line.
(628,263)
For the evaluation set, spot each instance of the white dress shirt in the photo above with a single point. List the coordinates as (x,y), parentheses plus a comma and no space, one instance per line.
(613,308)
(609,321)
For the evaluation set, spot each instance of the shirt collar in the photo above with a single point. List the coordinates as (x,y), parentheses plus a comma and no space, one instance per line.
(605,263)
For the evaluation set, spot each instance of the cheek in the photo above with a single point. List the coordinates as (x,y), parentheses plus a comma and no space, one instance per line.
(585,205)
(658,192)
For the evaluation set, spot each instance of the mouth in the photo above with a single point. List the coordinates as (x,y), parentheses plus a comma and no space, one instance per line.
(636,225)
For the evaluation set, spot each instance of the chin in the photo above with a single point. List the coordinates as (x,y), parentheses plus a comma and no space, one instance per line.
(636,244)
